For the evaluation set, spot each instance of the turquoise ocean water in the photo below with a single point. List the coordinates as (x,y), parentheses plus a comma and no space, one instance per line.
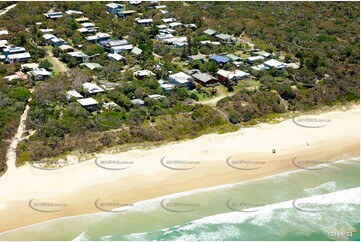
(319,204)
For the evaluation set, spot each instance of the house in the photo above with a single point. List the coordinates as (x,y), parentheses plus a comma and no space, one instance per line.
(137,102)
(71,12)
(73,94)
(135,2)
(201,58)
(167,86)
(88,25)
(251,60)
(39,74)
(46,31)
(116,57)
(57,41)
(272,63)
(91,66)
(126,13)
(91,88)
(88,30)
(3,44)
(225,38)
(192,26)
(144,22)
(179,44)
(136,51)
(162,26)
(163,36)
(226,76)
(29,66)
(4,32)
(144,73)
(206,42)
(21,57)
(122,48)
(260,67)
(80,56)
(210,32)
(168,20)
(221,60)
(13,50)
(54,15)
(82,20)
(48,37)
(109,44)
(156,96)
(181,79)
(89,103)
(92,38)
(164,11)
(66,48)
(205,79)
(108,86)
(102,36)
(175,40)
(241,74)
(160,7)
(234,57)
(114,7)
(17,75)
(110,105)
(175,25)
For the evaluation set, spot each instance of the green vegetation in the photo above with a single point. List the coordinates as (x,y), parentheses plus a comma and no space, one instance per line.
(323,37)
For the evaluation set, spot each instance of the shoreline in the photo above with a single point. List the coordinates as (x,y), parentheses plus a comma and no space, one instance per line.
(82,184)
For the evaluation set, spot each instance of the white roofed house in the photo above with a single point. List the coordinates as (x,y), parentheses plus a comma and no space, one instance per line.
(144,73)
(54,15)
(136,51)
(71,12)
(137,102)
(80,56)
(272,63)
(21,57)
(168,20)
(227,77)
(57,41)
(181,79)
(39,74)
(46,31)
(241,74)
(116,57)
(175,25)
(122,48)
(89,103)
(73,94)
(114,7)
(91,88)
(251,60)
(144,22)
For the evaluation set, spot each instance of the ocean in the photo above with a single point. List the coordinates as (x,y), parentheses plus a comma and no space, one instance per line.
(322,204)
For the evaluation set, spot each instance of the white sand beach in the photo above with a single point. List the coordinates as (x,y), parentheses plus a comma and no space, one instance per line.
(145,177)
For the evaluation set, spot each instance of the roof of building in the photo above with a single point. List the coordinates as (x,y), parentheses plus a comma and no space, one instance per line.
(88,25)
(113,43)
(114,5)
(65,47)
(30,65)
(233,57)
(116,56)
(168,20)
(3,32)
(122,47)
(226,74)
(91,66)
(46,30)
(73,93)
(87,101)
(181,77)
(19,55)
(175,24)
(255,58)
(219,58)
(167,86)
(137,102)
(210,31)
(92,88)
(102,35)
(144,73)
(156,96)
(260,67)
(136,51)
(197,57)
(141,21)
(160,6)
(70,12)
(83,19)
(77,54)
(273,63)
(224,36)
(48,36)
(203,77)
(240,73)
(40,72)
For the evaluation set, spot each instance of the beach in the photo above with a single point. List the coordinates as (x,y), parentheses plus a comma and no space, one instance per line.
(207,161)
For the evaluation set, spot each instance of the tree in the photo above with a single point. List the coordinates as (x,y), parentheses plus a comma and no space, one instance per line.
(45,64)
